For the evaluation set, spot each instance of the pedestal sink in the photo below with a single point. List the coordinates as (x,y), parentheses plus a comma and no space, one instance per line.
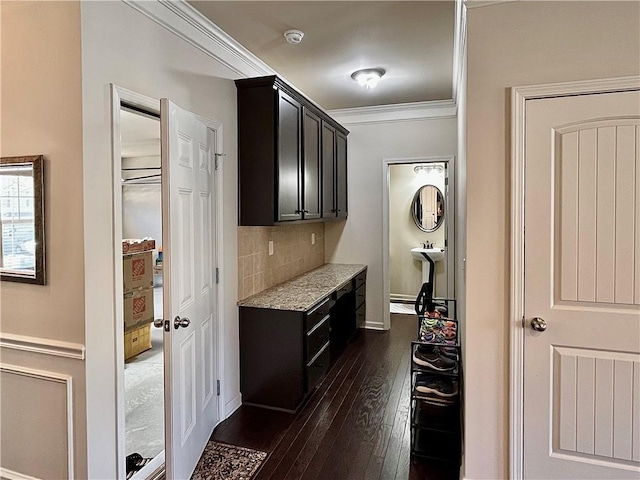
(424,255)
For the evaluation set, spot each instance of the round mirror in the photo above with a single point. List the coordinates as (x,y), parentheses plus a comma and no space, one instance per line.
(427,208)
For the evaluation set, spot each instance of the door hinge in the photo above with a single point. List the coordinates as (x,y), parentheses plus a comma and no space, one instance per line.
(217,275)
(445,242)
(446,180)
(218,388)
(218,155)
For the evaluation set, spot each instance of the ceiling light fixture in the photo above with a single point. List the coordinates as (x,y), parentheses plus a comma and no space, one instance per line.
(368,77)
(427,168)
(294,37)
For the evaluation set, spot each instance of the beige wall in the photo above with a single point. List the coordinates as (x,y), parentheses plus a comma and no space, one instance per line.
(124,47)
(405,273)
(41,113)
(513,44)
(359,239)
(293,255)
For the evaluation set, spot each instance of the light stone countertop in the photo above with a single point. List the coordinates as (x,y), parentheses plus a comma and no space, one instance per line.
(301,293)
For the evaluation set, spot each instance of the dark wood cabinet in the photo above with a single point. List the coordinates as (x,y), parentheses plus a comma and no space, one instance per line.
(329,207)
(284,354)
(311,166)
(341,175)
(334,173)
(291,156)
(289,140)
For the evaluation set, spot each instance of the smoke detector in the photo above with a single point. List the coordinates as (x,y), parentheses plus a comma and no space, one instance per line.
(294,37)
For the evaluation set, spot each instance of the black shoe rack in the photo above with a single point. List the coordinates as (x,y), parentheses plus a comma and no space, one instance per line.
(436,393)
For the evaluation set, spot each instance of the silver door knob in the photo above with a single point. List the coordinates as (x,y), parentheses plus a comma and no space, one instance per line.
(158,323)
(181,322)
(538,324)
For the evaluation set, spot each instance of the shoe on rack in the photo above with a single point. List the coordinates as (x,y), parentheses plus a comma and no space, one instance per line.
(433,360)
(449,352)
(440,386)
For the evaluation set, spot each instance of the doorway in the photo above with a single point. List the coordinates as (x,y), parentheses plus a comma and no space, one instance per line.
(189,223)
(418,213)
(143,296)
(575,307)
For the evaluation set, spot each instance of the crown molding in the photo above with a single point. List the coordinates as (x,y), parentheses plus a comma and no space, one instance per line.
(395,113)
(186,22)
(459,49)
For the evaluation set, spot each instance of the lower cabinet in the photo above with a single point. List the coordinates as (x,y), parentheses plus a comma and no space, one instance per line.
(285,354)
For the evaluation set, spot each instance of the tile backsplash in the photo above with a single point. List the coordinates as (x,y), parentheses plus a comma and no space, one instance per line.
(293,255)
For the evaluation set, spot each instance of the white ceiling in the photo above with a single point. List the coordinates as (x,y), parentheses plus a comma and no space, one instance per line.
(139,135)
(411,40)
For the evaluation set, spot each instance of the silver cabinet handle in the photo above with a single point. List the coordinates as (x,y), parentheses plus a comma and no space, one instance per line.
(181,322)
(538,324)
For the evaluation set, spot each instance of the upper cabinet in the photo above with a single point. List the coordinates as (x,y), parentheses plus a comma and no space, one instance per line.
(292,157)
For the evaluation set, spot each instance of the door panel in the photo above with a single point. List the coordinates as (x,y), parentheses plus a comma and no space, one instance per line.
(581,251)
(341,180)
(311,165)
(289,152)
(328,171)
(189,252)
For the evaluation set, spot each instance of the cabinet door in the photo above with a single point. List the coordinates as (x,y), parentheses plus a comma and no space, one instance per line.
(341,175)
(311,165)
(288,160)
(328,171)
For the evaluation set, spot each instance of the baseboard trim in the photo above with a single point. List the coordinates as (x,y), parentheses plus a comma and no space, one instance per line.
(232,405)
(6,474)
(400,298)
(374,326)
(43,346)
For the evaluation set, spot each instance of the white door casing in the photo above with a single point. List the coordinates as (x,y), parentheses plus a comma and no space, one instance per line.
(450,213)
(191,400)
(576,401)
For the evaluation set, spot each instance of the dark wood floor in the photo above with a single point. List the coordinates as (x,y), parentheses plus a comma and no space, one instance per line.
(354,426)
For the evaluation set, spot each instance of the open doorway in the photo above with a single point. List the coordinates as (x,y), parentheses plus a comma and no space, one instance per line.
(143,289)
(175,204)
(419,223)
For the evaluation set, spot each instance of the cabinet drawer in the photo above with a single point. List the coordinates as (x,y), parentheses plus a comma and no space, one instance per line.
(317,314)
(317,367)
(360,279)
(361,295)
(317,337)
(361,315)
(346,288)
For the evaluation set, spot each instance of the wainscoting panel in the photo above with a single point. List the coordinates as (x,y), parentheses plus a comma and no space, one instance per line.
(37,423)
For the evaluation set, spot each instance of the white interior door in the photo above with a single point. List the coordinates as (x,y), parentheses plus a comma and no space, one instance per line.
(189,254)
(582,277)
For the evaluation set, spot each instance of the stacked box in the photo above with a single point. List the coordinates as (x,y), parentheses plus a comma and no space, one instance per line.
(138,308)
(137,271)
(137,278)
(134,245)
(137,341)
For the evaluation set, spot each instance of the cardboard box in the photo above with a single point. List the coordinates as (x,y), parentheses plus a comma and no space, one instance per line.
(138,309)
(137,271)
(137,341)
(137,245)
